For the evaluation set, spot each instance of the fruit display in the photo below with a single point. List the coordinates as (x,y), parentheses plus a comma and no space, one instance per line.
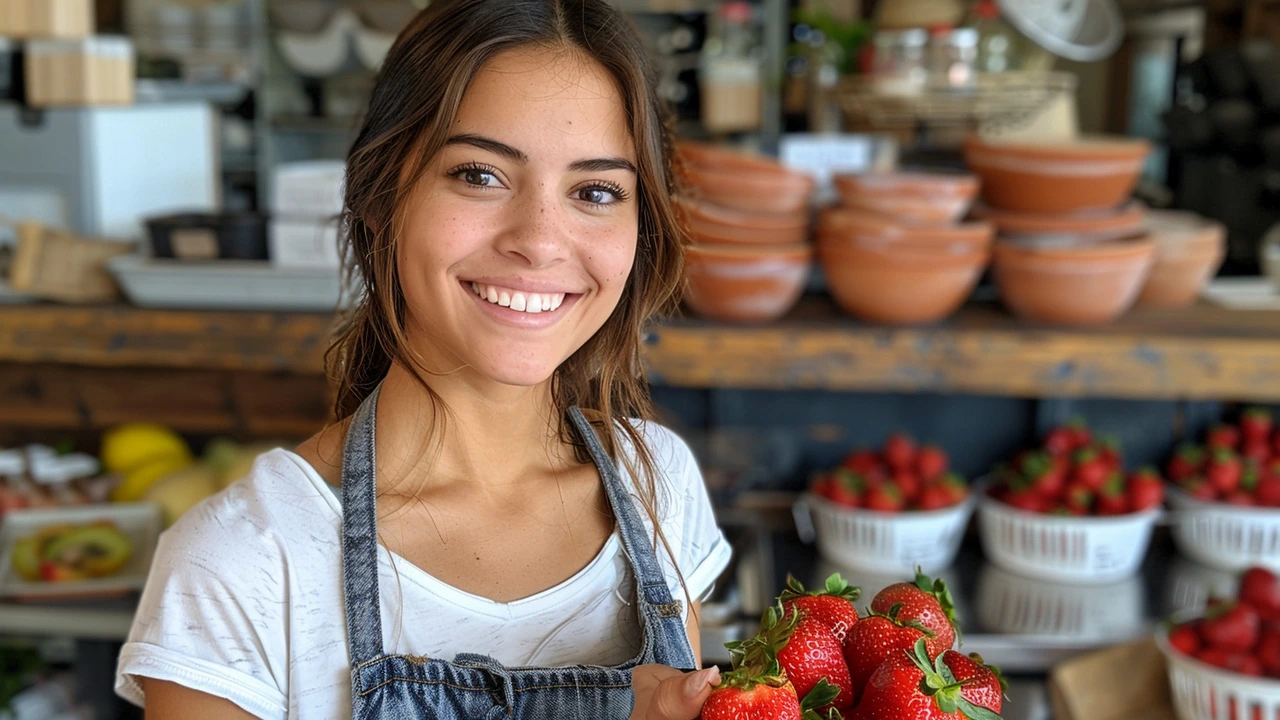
(1074,474)
(1226,494)
(816,656)
(142,453)
(902,476)
(1238,463)
(68,553)
(1230,655)
(890,511)
(1066,512)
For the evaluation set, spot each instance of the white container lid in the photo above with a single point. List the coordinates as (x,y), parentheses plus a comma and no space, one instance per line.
(12,463)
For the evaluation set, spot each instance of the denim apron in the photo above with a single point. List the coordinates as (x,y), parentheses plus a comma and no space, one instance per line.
(475,686)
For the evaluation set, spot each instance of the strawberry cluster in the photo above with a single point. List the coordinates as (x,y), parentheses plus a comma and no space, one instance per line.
(901,476)
(1240,635)
(816,658)
(1074,473)
(1237,464)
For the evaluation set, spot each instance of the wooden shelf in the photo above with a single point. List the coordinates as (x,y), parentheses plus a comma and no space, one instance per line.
(1200,352)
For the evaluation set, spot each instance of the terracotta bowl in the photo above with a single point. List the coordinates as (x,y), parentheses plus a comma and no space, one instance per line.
(718,157)
(710,224)
(758,192)
(910,197)
(1189,251)
(1083,226)
(867,230)
(745,283)
(1084,285)
(1097,172)
(896,288)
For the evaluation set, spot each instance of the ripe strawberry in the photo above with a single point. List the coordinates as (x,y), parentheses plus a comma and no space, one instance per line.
(1043,475)
(1224,471)
(1028,500)
(1235,661)
(875,639)
(1268,652)
(1231,626)
(832,606)
(744,695)
(845,488)
(1223,437)
(931,462)
(1090,469)
(1079,498)
(807,651)
(862,461)
(957,489)
(1080,435)
(900,452)
(1185,639)
(884,498)
(908,483)
(1060,441)
(1240,498)
(1256,425)
(1275,444)
(1109,452)
(1268,492)
(983,685)
(1146,489)
(935,497)
(1260,589)
(911,686)
(925,601)
(1256,453)
(1186,462)
(1112,499)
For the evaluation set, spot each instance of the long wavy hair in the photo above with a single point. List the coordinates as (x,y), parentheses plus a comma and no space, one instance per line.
(415,99)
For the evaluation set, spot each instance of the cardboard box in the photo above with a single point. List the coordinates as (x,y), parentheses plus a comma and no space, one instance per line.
(66,19)
(77,73)
(1126,682)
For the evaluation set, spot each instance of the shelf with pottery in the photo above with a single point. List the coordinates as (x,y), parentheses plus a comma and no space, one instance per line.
(1198,352)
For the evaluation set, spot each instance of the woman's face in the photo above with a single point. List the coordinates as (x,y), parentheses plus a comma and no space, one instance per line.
(518,240)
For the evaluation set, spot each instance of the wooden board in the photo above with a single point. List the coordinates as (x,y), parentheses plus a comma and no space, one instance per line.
(1200,352)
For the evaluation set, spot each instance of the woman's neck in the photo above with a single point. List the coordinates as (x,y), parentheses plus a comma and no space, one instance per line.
(482,433)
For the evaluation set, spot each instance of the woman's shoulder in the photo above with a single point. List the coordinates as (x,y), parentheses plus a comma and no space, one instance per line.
(671,454)
(279,496)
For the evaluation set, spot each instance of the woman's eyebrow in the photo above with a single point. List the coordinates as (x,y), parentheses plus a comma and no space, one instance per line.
(497,147)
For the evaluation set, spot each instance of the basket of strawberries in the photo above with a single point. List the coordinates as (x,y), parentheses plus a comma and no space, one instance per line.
(816,657)
(1067,512)
(1227,495)
(1226,664)
(889,511)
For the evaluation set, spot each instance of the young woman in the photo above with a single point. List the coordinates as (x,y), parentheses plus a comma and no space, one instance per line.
(496,528)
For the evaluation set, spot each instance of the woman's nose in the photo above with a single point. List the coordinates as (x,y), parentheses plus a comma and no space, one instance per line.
(538,232)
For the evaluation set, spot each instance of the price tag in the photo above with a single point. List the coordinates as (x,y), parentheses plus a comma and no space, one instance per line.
(823,155)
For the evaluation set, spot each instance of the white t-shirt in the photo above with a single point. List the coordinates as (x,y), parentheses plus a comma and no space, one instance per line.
(244,600)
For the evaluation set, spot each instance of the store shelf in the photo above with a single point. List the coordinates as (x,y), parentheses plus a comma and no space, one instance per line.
(1200,352)
(100,620)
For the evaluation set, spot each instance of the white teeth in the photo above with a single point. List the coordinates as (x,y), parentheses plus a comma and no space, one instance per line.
(532,303)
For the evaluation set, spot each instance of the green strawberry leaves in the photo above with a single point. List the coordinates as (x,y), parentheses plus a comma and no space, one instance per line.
(975,712)
(822,694)
(940,683)
(835,585)
(938,588)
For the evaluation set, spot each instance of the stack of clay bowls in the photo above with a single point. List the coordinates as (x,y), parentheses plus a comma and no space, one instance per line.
(1189,251)
(748,219)
(1073,246)
(894,252)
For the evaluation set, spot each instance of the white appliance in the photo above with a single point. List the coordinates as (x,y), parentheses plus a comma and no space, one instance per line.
(100,170)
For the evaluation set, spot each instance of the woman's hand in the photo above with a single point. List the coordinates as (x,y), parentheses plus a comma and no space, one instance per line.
(664,693)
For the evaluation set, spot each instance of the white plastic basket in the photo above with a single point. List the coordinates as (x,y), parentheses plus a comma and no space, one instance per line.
(1229,537)
(1012,604)
(1204,692)
(1066,549)
(880,542)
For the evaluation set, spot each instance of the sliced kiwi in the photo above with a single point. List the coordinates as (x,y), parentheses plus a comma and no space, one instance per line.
(95,550)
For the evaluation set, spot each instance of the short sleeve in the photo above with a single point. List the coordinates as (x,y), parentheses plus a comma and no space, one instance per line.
(212,616)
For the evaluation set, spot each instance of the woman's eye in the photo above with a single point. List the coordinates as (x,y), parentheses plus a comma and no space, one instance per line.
(478,178)
(598,195)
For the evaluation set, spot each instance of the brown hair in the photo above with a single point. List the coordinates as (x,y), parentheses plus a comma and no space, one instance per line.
(415,99)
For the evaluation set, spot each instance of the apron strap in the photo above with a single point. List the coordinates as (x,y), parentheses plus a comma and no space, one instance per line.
(635,537)
(359,535)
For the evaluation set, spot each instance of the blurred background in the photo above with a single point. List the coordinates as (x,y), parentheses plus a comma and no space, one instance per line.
(966,222)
